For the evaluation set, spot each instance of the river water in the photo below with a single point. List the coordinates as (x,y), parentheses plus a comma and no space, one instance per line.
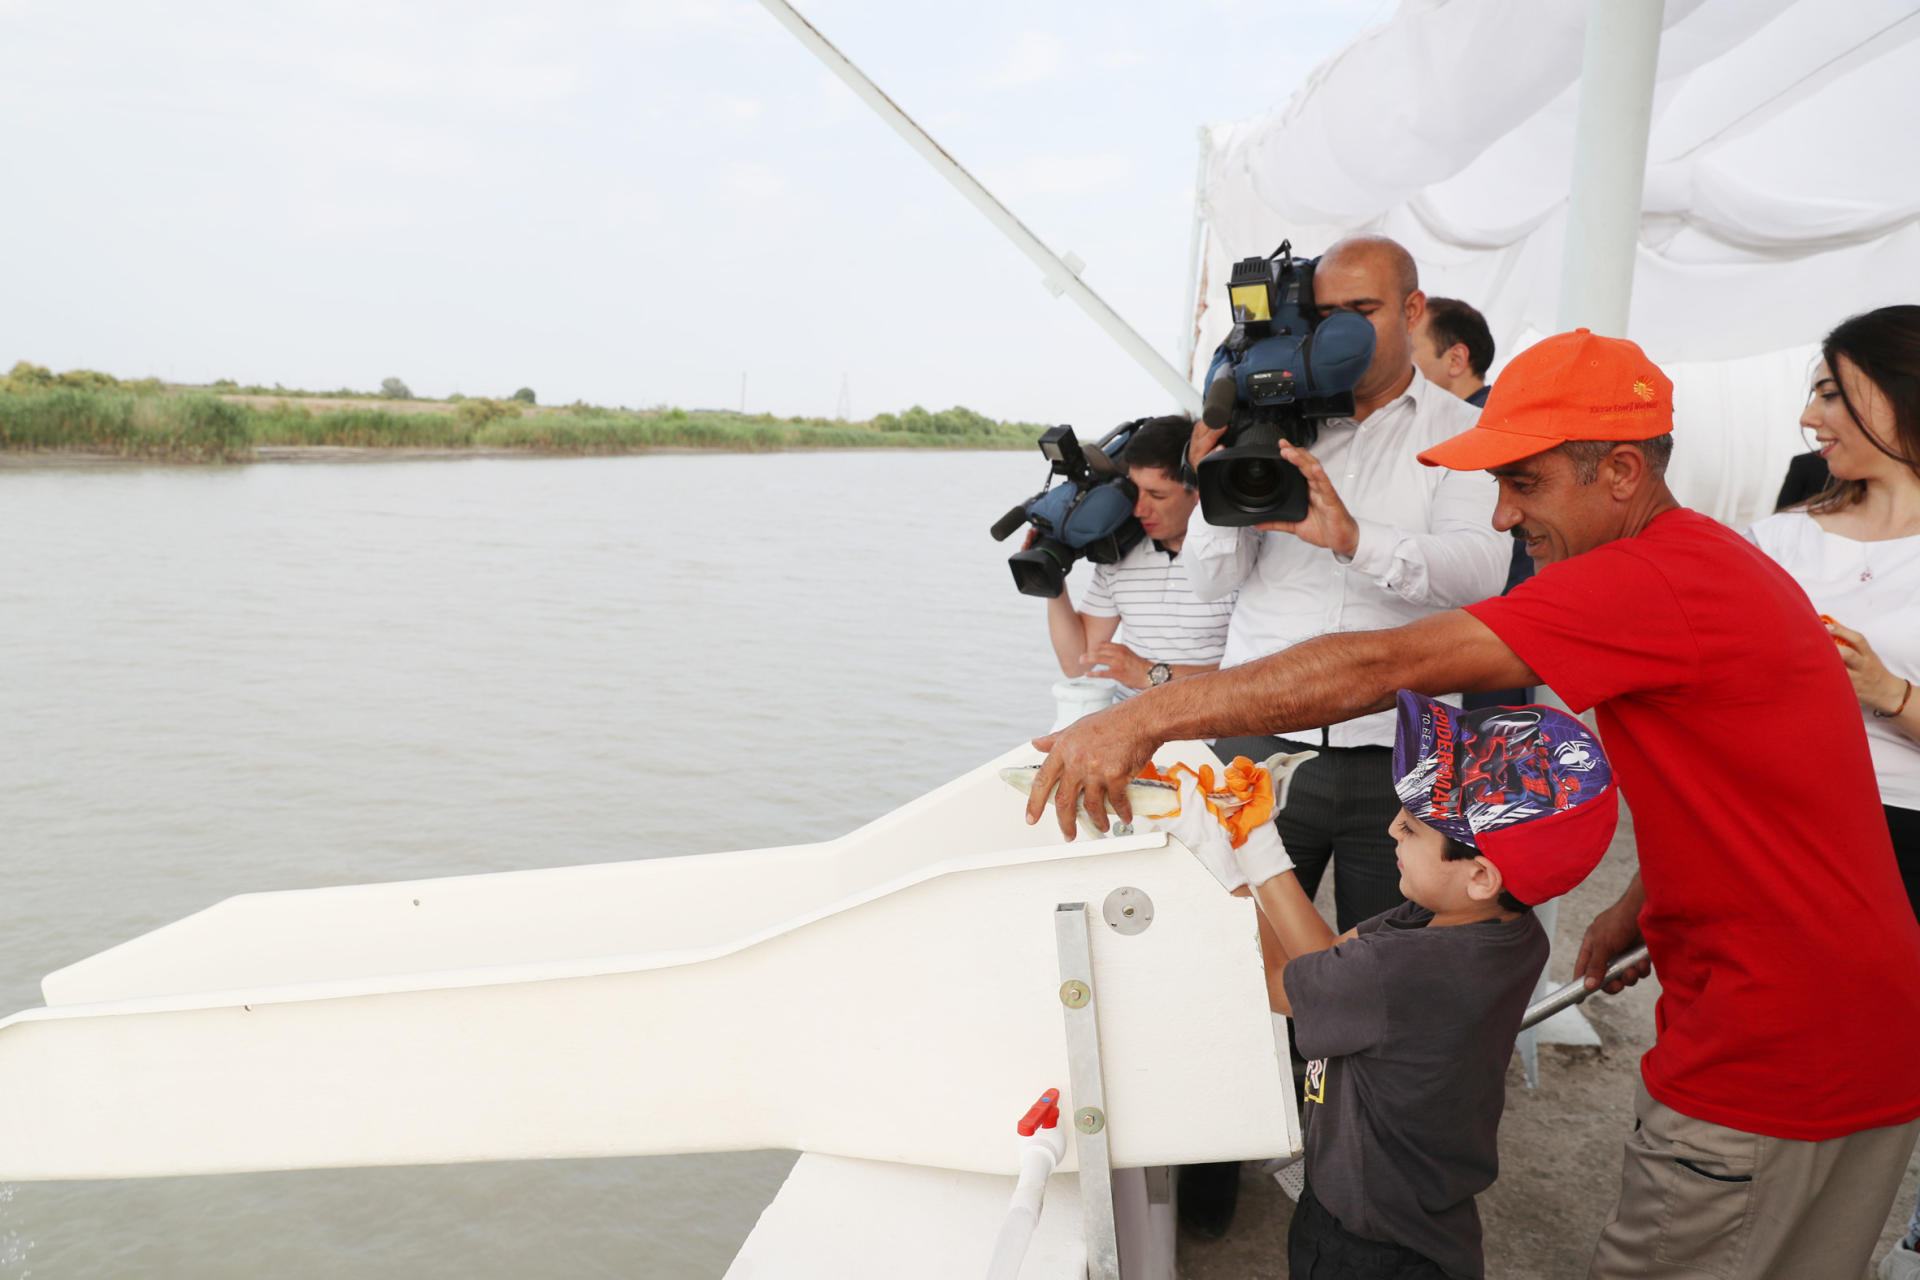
(276,676)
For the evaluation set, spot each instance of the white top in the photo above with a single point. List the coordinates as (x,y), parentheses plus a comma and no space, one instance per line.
(1161,619)
(1874,588)
(1427,543)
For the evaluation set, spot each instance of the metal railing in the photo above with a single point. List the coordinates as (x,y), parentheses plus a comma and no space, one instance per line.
(1576,991)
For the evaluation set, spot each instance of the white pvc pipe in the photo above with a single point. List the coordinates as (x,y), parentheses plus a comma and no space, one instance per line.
(1059,274)
(1609,163)
(1039,1156)
(1079,696)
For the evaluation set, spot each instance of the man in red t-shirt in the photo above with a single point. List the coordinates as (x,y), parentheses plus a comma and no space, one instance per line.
(1779,1103)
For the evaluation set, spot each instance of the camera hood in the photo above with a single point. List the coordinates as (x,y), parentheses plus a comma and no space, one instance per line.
(1250,483)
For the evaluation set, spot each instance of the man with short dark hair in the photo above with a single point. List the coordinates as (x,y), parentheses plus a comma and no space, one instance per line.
(1454,347)
(1779,1103)
(1169,631)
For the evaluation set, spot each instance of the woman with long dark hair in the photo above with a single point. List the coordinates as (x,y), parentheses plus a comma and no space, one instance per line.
(1855,549)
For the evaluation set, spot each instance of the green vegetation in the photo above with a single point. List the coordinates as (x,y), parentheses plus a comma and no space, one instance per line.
(88,412)
(26,377)
(185,428)
(956,421)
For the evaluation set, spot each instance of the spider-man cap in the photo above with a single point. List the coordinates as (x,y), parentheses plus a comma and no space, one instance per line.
(1528,787)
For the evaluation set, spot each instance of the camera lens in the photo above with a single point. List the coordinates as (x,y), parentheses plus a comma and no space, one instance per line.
(1039,570)
(1252,482)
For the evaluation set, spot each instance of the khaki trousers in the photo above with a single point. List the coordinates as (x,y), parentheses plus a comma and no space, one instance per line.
(1700,1199)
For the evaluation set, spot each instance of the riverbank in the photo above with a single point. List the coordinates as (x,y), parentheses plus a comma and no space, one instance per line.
(20,460)
(70,425)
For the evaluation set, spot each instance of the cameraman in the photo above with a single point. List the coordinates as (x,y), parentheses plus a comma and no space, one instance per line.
(1170,632)
(1385,541)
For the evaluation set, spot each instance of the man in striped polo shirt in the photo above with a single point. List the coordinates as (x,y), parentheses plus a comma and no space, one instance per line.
(1169,632)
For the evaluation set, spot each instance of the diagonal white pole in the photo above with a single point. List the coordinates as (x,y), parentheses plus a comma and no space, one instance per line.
(1060,276)
(1190,318)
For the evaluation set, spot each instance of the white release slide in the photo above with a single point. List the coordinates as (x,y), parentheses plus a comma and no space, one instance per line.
(608,1011)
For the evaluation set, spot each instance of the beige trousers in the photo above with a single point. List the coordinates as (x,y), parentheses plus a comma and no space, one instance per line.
(1702,1200)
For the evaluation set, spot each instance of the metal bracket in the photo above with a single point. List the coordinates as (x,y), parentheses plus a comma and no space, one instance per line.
(1089,1094)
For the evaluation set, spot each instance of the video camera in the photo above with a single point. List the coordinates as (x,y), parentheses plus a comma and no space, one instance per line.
(1279,373)
(1091,515)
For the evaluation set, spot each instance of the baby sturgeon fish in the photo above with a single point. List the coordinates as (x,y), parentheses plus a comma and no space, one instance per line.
(1152,798)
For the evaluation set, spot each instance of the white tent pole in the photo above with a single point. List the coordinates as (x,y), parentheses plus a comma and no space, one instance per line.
(1609,163)
(1190,318)
(1059,275)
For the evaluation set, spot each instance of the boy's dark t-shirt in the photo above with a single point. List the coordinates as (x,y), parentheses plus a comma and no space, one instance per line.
(1407,1031)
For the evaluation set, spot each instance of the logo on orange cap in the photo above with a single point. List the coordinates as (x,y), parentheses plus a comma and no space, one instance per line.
(1567,387)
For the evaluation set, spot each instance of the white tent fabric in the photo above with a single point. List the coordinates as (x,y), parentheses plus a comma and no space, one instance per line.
(1782,192)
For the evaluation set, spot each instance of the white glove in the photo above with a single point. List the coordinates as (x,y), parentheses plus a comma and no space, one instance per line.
(1197,828)
(1258,859)
(1263,856)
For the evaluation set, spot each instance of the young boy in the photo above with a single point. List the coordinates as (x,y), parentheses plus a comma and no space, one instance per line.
(1408,1019)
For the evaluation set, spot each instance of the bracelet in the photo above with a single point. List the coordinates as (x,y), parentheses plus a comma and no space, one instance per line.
(1895,713)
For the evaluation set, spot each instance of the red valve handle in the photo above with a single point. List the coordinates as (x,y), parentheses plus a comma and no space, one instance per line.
(1044,1114)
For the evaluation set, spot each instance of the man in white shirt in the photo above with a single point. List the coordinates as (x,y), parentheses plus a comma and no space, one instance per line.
(1385,541)
(1169,631)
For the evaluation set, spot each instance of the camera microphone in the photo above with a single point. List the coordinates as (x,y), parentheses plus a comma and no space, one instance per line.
(1007,523)
(1219,402)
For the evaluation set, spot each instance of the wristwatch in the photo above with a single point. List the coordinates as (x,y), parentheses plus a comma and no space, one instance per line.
(1158,674)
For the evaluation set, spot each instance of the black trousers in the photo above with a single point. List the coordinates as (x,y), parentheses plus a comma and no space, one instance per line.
(1319,1248)
(1339,807)
(1904,826)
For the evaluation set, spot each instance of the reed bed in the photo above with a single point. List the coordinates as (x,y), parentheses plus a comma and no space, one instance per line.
(202,427)
(186,428)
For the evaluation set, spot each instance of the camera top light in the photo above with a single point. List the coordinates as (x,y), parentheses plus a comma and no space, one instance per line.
(1251,290)
(1058,444)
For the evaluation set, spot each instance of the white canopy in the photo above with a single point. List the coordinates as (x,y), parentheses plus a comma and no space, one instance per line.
(1781,191)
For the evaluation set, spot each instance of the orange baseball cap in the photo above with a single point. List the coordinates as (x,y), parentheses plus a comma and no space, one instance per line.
(1572,386)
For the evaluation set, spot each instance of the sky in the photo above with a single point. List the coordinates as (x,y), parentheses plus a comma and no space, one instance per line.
(638,203)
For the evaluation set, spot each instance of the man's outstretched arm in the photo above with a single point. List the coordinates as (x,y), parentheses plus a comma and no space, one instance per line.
(1321,681)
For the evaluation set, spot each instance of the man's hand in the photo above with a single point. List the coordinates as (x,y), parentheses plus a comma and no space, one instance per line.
(1613,932)
(1121,664)
(1328,523)
(1091,762)
(1205,440)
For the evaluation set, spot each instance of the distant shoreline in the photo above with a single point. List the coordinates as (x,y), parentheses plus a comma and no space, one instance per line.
(89,419)
(76,459)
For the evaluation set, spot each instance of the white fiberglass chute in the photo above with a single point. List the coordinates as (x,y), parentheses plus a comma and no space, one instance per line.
(887,1003)
(1777,200)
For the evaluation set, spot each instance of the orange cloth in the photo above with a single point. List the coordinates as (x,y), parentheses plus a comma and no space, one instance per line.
(1246,782)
